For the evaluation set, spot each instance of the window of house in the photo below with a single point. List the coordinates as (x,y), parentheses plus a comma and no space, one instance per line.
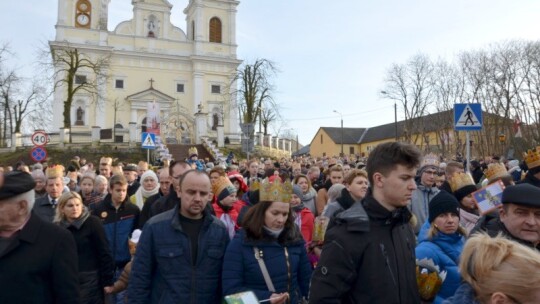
(215,30)
(80,79)
(321,139)
(351,150)
(119,84)
(216,89)
(180,88)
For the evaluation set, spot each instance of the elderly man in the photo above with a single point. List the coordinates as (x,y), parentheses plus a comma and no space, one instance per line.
(130,173)
(519,218)
(45,207)
(38,260)
(180,253)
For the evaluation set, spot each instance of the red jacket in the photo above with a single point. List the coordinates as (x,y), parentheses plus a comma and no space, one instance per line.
(307,225)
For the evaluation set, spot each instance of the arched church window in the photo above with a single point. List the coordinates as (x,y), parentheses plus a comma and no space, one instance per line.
(215,30)
(143,125)
(192,30)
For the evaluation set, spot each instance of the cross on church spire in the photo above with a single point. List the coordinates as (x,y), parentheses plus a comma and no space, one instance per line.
(151,83)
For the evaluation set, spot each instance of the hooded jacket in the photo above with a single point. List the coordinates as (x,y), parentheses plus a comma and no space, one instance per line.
(367,257)
(419,204)
(464,295)
(444,250)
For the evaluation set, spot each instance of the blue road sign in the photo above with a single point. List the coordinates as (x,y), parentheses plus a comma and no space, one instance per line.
(148,140)
(467,116)
(38,154)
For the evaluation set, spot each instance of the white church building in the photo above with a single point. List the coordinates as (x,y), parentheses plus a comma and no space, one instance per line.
(189,75)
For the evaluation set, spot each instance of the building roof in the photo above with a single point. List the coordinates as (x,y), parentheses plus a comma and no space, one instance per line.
(303,151)
(350,135)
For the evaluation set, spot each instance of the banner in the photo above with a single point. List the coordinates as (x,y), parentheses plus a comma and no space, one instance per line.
(153,120)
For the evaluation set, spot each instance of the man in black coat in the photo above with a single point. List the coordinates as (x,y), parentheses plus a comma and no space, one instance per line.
(38,260)
(368,256)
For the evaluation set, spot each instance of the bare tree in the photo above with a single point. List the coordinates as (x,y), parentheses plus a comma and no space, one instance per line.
(77,72)
(409,85)
(255,88)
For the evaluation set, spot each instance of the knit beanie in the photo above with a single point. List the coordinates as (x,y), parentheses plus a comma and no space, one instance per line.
(222,188)
(441,203)
(462,192)
(298,191)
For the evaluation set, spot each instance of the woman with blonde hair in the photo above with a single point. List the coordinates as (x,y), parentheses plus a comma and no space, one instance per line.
(441,239)
(96,267)
(497,270)
(308,192)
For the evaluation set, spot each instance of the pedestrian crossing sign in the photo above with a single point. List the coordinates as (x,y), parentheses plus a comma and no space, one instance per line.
(148,140)
(467,116)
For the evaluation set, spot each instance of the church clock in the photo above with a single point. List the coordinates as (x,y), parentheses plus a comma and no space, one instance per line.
(82,16)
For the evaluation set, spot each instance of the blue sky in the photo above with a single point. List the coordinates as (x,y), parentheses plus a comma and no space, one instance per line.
(332,55)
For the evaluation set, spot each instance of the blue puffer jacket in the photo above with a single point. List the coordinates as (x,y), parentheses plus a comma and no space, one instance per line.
(444,250)
(241,271)
(162,270)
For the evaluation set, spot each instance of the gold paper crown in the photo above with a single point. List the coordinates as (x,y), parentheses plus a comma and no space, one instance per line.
(275,192)
(255,186)
(495,171)
(55,171)
(106,160)
(193,151)
(220,184)
(532,158)
(460,180)
(430,160)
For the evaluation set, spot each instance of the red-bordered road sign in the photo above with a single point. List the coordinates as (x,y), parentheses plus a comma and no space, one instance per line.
(40,138)
(38,154)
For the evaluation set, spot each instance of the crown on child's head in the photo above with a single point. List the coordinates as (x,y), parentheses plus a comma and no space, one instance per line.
(532,158)
(192,151)
(460,180)
(275,191)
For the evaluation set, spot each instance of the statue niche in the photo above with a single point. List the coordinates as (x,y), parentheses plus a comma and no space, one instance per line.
(79,115)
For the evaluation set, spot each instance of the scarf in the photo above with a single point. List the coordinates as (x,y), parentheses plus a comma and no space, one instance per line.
(272,232)
(141,195)
(229,224)
(78,222)
(298,218)
(311,193)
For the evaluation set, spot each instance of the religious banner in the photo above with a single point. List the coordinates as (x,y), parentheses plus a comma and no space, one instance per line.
(153,120)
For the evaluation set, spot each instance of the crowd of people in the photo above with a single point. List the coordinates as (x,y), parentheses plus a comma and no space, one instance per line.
(306,229)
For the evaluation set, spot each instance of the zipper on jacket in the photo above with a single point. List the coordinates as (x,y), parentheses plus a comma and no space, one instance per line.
(288,273)
(385,254)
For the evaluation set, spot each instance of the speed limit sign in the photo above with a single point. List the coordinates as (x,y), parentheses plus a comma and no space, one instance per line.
(40,138)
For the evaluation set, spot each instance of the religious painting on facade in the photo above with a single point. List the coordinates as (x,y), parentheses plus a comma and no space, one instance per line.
(153,118)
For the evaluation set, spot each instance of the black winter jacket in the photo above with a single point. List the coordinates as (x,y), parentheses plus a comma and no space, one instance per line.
(367,257)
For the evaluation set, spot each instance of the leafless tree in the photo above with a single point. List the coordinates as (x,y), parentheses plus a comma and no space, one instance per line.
(77,72)
(410,85)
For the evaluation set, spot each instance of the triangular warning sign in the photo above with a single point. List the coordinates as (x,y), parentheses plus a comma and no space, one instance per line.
(148,142)
(468,118)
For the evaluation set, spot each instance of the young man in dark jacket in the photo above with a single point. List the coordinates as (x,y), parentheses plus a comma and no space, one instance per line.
(368,256)
(179,256)
(119,218)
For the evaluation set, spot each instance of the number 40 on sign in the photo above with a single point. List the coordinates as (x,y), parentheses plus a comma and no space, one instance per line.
(39,138)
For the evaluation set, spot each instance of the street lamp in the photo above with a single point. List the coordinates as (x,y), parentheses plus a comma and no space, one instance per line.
(341,131)
(395,115)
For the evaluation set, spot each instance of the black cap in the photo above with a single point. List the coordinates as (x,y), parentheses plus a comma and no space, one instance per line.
(441,203)
(15,183)
(522,194)
(130,167)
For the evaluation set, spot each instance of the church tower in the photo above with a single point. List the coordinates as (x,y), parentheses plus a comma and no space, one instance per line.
(83,14)
(211,21)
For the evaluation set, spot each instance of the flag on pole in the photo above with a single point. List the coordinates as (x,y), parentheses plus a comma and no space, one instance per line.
(517,127)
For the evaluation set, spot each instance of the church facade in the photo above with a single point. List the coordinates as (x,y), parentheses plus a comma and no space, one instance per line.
(188,76)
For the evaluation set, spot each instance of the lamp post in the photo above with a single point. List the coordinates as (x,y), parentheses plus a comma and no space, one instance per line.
(395,115)
(341,115)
